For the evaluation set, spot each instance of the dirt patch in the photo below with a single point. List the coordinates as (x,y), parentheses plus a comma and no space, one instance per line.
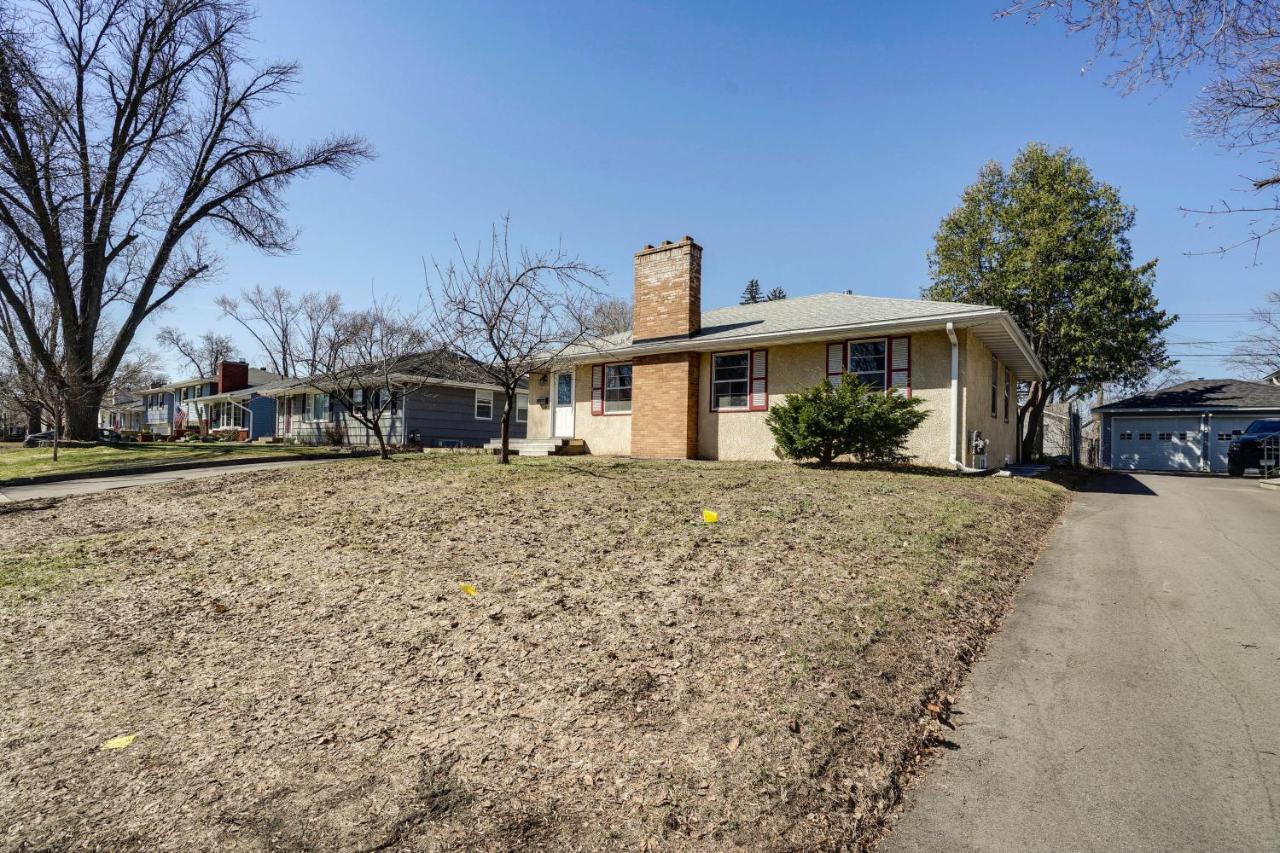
(303,670)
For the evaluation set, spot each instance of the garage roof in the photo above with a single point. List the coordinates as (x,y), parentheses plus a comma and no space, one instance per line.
(1202,395)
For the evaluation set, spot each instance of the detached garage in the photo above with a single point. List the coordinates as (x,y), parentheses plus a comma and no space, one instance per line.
(1187,427)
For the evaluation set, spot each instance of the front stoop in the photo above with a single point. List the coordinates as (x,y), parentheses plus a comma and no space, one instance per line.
(540,446)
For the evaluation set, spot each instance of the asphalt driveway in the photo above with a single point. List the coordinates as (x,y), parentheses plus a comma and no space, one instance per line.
(66,488)
(1132,701)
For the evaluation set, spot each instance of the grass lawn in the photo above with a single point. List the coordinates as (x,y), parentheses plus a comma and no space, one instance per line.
(303,669)
(18,461)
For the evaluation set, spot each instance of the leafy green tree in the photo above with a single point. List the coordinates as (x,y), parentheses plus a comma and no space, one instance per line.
(775,294)
(1047,242)
(751,295)
(828,421)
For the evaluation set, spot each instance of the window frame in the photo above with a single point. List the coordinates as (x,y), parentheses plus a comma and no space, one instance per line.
(311,408)
(746,406)
(1008,383)
(886,380)
(525,408)
(475,406)
(604,388)
(995,387)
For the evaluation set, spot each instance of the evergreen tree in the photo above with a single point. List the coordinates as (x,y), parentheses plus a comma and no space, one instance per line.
(751,295)
(775,294)
(1048,242)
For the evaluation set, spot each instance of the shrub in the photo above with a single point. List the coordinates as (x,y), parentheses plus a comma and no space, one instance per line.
(826,421)
(334,435)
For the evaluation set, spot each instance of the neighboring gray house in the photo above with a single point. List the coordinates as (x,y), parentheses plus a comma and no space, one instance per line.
(451,404)
(1187,427)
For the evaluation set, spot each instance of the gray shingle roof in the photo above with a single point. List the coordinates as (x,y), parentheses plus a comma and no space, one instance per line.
(1203,394)
(800,313)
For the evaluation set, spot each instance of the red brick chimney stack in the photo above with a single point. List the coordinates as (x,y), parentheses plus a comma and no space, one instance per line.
(232,376)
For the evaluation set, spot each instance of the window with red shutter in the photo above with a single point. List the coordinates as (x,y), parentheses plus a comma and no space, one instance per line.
(900,364)
(597,389)
(835,362)
(759,401)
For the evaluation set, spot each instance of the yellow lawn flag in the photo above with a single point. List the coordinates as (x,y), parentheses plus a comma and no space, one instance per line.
(710,516)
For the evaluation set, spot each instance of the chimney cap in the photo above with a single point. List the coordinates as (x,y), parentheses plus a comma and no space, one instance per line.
(667,243)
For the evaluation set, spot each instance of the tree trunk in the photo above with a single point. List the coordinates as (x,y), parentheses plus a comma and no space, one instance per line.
(35,417)
(1032,417)
(504,457)
(82,416)
(382,442)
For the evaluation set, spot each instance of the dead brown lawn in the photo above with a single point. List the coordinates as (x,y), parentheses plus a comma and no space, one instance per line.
(302,670)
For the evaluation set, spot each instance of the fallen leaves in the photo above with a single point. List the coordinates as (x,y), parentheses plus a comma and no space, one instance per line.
(629,680)
(119,742)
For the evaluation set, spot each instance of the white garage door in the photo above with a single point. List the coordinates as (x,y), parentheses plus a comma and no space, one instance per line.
(1156,444)
(1222,428)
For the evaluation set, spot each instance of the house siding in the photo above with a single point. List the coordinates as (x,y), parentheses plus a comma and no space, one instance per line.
(744,435)
(443,417)
(264,416)
(975,382)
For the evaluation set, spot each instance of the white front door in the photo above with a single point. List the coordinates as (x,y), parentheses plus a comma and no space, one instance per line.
(562,426)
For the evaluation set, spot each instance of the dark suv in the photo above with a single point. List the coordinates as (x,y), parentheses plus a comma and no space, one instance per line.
(1246,450)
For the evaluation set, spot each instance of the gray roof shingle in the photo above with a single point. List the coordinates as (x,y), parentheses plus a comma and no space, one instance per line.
(800,313)
(1203,394)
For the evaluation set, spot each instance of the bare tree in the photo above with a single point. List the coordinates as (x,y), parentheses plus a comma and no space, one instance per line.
(1259,352)
(610,315)
(204,354)
(128,133)
(368,362)
(318,313)
(1238,41)
(513,314)
(287,328)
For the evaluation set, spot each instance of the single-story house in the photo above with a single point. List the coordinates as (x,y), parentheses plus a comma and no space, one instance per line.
(438,399)
(179,407)
(689,384)
(1186,427)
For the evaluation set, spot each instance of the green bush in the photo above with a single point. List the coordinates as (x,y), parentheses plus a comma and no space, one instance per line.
(825,422)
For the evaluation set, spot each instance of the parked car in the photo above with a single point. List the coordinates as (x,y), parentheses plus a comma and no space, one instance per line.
(108,436)
(1247,449)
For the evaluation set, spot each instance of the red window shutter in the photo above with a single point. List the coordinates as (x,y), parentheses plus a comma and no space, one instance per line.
(759,398)
(597,389)
(900,364)
(835,362)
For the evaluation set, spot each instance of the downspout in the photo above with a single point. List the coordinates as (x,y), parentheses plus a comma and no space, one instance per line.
(954,459)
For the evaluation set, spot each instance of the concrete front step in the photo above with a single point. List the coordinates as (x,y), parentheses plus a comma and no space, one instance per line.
(540,446)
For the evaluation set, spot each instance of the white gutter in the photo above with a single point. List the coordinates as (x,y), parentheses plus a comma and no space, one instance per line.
(954,458)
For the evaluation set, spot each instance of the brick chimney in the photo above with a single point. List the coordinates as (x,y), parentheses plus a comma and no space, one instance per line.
(668,290)
(232,376)
(668,304)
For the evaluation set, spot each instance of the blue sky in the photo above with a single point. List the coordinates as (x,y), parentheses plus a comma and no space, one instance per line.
(814,149)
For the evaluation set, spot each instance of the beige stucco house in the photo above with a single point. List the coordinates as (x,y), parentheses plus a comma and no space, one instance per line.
(690,384)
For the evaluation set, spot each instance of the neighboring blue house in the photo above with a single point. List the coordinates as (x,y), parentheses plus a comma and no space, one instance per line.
(450,403)
(230,398)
